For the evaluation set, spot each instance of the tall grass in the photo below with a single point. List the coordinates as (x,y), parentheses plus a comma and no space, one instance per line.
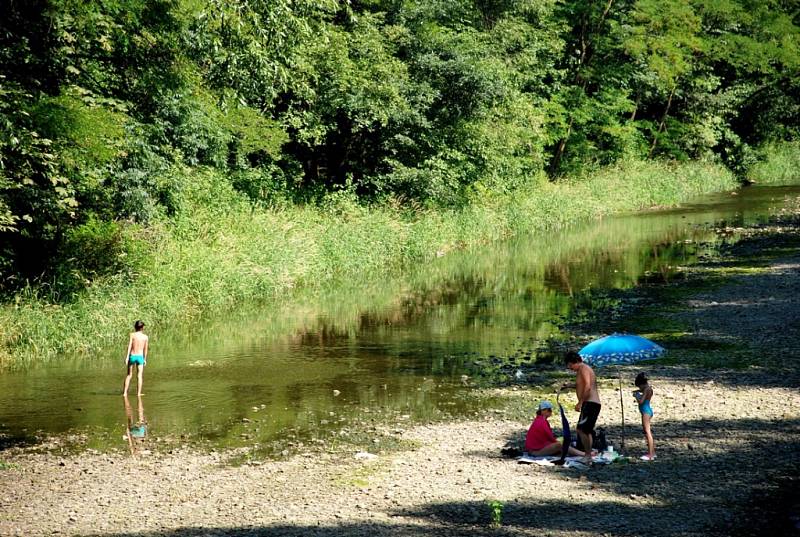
(780,164)
(219,252)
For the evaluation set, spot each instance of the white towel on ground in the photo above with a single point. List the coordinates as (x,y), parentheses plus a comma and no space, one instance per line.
(570,462)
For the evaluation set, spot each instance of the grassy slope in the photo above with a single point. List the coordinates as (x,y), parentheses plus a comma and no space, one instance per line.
(781,164)
(220,252)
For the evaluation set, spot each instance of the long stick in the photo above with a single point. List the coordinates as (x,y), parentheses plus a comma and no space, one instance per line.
(622,407)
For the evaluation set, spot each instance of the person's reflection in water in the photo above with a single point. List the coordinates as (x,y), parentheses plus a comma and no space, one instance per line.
(137,430)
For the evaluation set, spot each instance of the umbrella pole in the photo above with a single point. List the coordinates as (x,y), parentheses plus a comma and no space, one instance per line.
(622,408)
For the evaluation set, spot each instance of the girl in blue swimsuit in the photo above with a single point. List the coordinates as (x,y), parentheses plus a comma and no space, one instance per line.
(643,397)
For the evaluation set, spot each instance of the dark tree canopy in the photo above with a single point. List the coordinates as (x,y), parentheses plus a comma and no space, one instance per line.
(419,101)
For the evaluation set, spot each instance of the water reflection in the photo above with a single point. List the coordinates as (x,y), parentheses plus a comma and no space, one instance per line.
(390,346)
(136,431)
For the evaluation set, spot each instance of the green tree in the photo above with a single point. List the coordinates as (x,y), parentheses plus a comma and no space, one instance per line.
(62,61)
(250,48)
(662,40)
(754,49)
(590,57)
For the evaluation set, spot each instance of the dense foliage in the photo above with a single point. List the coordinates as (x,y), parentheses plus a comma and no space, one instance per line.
(109,109)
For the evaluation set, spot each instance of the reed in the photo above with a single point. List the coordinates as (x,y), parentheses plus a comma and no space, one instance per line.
(220,253)
(780,164)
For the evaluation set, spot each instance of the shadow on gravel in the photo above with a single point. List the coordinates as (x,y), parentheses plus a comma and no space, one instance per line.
(750,377)
(751,323)
(689,491)
(15,441)
(769,507)
(693,432)
(686,439)
(693,473)
(361,530)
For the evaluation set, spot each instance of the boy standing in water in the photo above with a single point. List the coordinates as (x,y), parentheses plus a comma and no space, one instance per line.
(136,356)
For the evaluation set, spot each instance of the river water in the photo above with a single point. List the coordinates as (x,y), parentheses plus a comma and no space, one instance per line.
(324,368)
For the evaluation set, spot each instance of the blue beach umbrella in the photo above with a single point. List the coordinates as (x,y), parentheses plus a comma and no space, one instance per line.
(620,349)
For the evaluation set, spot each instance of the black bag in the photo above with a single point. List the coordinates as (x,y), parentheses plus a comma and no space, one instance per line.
(599,441)
(511,452)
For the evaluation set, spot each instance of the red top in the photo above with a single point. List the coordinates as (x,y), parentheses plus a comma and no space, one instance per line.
(539,435)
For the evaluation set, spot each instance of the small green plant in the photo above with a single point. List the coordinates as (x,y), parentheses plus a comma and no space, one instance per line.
(8,465)
(496,511)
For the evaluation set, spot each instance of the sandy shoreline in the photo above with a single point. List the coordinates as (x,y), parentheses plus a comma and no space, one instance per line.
(725,438)
(708,465)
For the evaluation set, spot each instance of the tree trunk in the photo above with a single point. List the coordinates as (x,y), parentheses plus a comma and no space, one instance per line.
(636,106)
(586,54)
(663,123)
(562,144)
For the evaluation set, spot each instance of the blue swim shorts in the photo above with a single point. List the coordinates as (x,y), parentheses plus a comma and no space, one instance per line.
(137,359)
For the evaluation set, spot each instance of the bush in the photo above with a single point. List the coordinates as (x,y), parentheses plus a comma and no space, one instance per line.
(144,185)
(90,252)
(779,164)
(264,186)
(185,123)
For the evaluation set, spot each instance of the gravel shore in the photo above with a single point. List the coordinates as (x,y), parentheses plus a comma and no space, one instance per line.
(726,442)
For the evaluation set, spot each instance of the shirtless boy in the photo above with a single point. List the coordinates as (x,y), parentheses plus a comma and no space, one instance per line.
(588,400)
(136,356)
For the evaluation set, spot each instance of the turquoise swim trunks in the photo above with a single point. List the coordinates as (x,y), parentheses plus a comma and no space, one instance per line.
(138,431)
(137,359)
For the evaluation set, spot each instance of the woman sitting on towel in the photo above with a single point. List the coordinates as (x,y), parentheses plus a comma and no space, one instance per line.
(540,439)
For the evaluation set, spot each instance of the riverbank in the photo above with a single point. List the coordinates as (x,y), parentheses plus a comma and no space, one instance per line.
(725,436)
(220,253)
